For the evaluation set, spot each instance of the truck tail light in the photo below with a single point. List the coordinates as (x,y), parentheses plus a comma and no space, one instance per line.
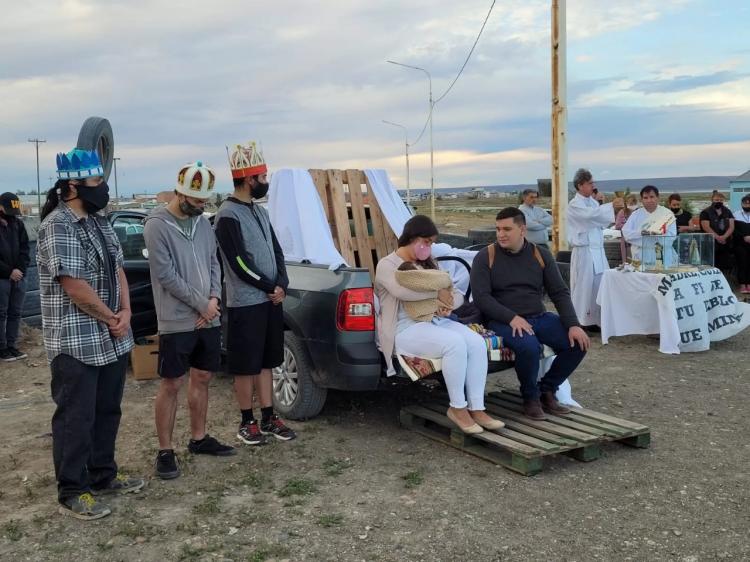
(356,311)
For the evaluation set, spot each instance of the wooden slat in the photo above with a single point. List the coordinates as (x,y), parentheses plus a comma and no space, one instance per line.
(337,200)
(588,413)
(485,436)
(385,240)
(361,238)
(543,425)
(320,179)
(548,446)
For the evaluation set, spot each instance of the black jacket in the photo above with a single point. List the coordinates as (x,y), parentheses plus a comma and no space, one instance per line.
(14,246)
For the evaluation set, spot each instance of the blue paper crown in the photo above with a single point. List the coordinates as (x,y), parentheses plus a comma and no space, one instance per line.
(79,164)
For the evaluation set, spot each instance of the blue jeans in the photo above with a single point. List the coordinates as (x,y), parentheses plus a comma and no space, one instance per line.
(12,294)
(548,330)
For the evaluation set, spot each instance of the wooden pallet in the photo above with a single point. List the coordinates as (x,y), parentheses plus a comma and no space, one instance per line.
(360,232)
(523,444)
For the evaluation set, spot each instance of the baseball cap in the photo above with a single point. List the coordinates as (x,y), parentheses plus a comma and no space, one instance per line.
(10,203)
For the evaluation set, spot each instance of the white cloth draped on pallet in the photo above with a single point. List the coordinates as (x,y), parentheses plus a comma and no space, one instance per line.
(299,220)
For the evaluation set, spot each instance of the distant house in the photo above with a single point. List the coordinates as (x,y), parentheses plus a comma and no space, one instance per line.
(738,188)
(479,193)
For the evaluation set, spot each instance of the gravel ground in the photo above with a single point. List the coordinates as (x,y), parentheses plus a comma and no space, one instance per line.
(356,486)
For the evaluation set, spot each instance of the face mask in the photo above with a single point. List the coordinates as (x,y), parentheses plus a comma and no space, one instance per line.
(632,207)
(422,251)
(746,209)
(259,190)
(718,204)
(94,198)
(190,210)
(677,210)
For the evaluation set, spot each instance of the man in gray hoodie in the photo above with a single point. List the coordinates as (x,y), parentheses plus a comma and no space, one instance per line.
(186,282)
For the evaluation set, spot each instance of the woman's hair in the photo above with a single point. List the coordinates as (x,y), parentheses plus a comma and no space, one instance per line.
(53,198)
(419,226)
(717,193)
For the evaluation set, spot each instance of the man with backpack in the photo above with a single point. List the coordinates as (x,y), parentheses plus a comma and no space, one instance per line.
(508,281)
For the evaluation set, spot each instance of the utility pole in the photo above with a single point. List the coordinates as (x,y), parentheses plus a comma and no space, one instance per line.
(432,155)
(38,187)
(117,197)
(559,127)
(406,144)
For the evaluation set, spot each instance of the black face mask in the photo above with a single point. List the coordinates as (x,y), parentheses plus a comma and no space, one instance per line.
(746,209)
(94,198)
(718,204)
(190,210)
(677,211)
(259,190)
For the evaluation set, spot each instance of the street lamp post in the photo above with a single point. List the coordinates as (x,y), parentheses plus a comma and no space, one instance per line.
(117,196)
(406,145)
(38,187)
(432,156)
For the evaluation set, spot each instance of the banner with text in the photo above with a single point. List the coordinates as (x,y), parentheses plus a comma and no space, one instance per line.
(705,307)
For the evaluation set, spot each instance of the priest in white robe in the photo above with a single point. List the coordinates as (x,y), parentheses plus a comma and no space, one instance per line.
(586,221)
(652,219)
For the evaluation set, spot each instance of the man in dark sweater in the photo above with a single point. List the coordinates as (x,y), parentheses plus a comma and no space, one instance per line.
(508,280)
(14,259)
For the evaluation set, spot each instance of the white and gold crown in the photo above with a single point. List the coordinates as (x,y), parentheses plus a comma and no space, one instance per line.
(246,161)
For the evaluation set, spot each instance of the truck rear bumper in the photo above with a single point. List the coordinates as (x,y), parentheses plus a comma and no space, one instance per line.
(354,366)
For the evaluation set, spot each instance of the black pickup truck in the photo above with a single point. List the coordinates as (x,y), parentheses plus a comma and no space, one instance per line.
(329,321)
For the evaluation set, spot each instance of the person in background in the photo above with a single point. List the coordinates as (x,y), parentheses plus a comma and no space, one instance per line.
(650,219)
(186,282)
(462,350)
(742,244)
(598,196)
(14,259)
(718,221)
(631,205)
(256,283)
(538,221)
(86,326)
(508,281)
(587,220)
(682,216)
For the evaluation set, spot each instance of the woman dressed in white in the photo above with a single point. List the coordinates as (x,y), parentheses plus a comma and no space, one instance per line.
(463,351)
(586,220)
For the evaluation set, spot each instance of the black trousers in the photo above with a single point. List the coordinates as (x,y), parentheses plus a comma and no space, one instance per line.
(742,253)
(85,423)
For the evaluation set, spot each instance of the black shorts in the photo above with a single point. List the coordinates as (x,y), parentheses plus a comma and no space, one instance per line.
(200,349)
(255,338)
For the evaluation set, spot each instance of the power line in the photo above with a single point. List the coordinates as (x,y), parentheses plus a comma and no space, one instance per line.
(429,116)
(470,53)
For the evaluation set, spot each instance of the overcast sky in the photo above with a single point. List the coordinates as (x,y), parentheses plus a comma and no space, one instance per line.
(656,87)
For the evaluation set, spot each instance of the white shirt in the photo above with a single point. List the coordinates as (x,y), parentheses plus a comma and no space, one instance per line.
(740,215)
(659,222)
(538,222)
(587,220)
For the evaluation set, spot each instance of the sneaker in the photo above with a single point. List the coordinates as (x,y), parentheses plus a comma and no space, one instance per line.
(210,446)
(16,354)
(84,507)
(250,434)
(6,355)
(121,484)
(166,465)
(274,426)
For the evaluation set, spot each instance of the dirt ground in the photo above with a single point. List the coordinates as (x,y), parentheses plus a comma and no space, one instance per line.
(356,486)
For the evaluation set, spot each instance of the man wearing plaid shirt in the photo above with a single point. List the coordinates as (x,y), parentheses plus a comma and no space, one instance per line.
(86,321)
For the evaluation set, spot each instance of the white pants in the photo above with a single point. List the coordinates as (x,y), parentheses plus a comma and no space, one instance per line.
(463,352)
(584,286)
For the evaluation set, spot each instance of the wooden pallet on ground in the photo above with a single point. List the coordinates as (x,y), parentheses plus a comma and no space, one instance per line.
(360,232)
(523,444)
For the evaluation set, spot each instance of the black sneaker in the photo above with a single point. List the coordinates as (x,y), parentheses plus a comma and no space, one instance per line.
(16,354)
(6,355)
(84,507)
(121,484)
(274,426)
(166,465)
(210,446)
(250,434)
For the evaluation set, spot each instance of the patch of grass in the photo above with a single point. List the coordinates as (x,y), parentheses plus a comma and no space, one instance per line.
(330,520)
(104,546)
(297,487)
(39,520)
(44,480)
(295,502)
(264,552)
(335,467)
(413,479)
(189,552)
(12,530)
(134,529)
(209,506)
(253,480)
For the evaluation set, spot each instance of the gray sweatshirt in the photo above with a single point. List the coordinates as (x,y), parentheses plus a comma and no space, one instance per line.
(185,271)
(538,222)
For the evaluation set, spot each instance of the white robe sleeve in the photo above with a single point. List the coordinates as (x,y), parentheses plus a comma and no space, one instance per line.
(631,230)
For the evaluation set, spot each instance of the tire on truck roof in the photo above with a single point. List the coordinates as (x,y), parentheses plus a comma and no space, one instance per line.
(96,133)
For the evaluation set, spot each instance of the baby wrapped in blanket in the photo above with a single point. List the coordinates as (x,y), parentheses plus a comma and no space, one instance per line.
(410,276)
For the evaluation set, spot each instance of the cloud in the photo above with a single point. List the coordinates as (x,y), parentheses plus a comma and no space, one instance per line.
(689,82)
